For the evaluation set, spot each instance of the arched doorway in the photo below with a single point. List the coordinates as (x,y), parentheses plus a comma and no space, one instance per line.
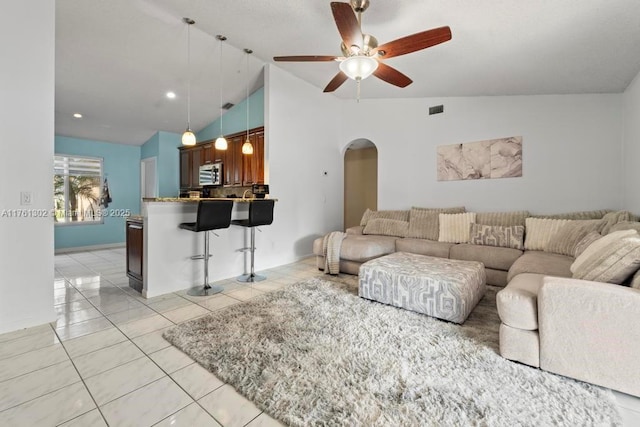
(360,180)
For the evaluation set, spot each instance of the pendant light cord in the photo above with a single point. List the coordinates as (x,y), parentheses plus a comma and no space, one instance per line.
(188,76)
(220,79)
(247,88)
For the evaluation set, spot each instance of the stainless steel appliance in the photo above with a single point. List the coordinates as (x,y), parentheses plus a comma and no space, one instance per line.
(210,174)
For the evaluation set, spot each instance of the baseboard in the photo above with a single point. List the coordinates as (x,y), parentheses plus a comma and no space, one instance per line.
(89,248)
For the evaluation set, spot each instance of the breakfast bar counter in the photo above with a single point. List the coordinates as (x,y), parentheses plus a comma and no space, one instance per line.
(167,250)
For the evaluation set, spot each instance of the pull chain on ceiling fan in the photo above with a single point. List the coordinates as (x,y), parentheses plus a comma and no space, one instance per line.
(362,56)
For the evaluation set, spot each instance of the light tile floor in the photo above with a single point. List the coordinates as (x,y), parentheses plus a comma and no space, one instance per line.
(104,362)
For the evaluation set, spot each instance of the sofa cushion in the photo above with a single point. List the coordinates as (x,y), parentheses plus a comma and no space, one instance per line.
(518,302)
(497,235)
(490,256)
(539,232)
(542,263)
(613,263)
(363,248)
(597,214)
(625,225)
(424,247)
(612,218)
(397,215)
(386,227)
(506,219)
(454,228)
(569,235)
(598,245)
(423,222)
(635,280)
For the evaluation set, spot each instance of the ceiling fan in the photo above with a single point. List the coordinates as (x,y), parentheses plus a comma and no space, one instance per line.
(362,56)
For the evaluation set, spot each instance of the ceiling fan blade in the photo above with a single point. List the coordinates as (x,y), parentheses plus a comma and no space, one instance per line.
(415,42)
(336,82)
(305,58)
(391,75)
(347,24)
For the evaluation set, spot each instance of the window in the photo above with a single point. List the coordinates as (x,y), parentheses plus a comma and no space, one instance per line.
(76,189)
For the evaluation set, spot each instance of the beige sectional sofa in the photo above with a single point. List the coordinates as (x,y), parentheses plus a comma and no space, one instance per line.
(583,329)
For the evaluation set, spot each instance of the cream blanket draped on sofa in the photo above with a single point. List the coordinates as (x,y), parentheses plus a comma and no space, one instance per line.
(331,244)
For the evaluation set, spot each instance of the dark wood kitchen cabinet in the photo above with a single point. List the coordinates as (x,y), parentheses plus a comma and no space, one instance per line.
(238,170)
(135,245)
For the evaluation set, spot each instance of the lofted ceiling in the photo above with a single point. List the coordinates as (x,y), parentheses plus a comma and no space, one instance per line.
(116,59)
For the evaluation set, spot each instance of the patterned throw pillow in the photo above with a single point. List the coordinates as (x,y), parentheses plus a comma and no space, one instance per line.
(397,215)
(423,222)
(539,231)
(454,228)
(386,227)
(496,235)
(613,263)
(564,242)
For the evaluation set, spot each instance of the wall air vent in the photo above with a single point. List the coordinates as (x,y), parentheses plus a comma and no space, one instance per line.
(228,106)
(437,109)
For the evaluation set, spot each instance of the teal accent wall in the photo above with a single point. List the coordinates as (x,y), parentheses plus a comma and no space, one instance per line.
(121,165)
(235,120)
(164,147)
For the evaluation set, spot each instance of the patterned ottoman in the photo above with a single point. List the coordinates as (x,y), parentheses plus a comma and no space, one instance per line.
(444,288)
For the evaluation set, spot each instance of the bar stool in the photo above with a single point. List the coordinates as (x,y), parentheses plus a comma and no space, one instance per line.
(212,215)
(260,213)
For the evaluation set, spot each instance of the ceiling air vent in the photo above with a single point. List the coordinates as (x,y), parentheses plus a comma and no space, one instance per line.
(228,106)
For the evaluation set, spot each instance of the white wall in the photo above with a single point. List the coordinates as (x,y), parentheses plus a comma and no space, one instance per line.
(26,162)
(571,150)
(301,138)
(631,150)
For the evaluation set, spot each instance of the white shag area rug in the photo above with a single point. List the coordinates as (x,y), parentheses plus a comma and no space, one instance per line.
(315,353)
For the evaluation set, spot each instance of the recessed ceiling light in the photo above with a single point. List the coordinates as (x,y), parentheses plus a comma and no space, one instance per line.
(171,95)
(77,115)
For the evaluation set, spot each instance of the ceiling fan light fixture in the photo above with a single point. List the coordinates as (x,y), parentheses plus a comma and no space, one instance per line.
(359,67)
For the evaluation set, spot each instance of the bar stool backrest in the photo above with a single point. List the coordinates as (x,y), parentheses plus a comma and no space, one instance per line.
(260,212)
(213,214)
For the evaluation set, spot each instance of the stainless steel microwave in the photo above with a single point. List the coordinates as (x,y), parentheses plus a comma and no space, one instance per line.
(210,174)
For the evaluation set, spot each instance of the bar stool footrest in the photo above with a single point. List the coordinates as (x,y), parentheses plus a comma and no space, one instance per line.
(197,257)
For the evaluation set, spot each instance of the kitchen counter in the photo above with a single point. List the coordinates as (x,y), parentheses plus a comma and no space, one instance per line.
(191,200)
(167,249)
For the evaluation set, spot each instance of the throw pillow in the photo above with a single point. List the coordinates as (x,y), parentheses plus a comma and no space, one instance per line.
(565,240)
(612,218)
(397,215)
(540,230)
(586,242)
(625,225)
(454,228)
(613,263)
(423,222)
(598,245)
(497,235)
(502,218)
(386,227)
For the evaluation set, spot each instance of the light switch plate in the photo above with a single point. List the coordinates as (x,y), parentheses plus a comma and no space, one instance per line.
(25,198)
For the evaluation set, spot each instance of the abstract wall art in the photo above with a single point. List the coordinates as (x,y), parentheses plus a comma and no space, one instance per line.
(494,158)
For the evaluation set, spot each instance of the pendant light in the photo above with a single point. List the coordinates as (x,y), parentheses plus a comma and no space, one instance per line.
(247,147)
(188,138)
(221,142)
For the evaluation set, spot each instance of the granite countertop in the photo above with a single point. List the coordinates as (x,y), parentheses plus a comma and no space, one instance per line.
(191,200)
